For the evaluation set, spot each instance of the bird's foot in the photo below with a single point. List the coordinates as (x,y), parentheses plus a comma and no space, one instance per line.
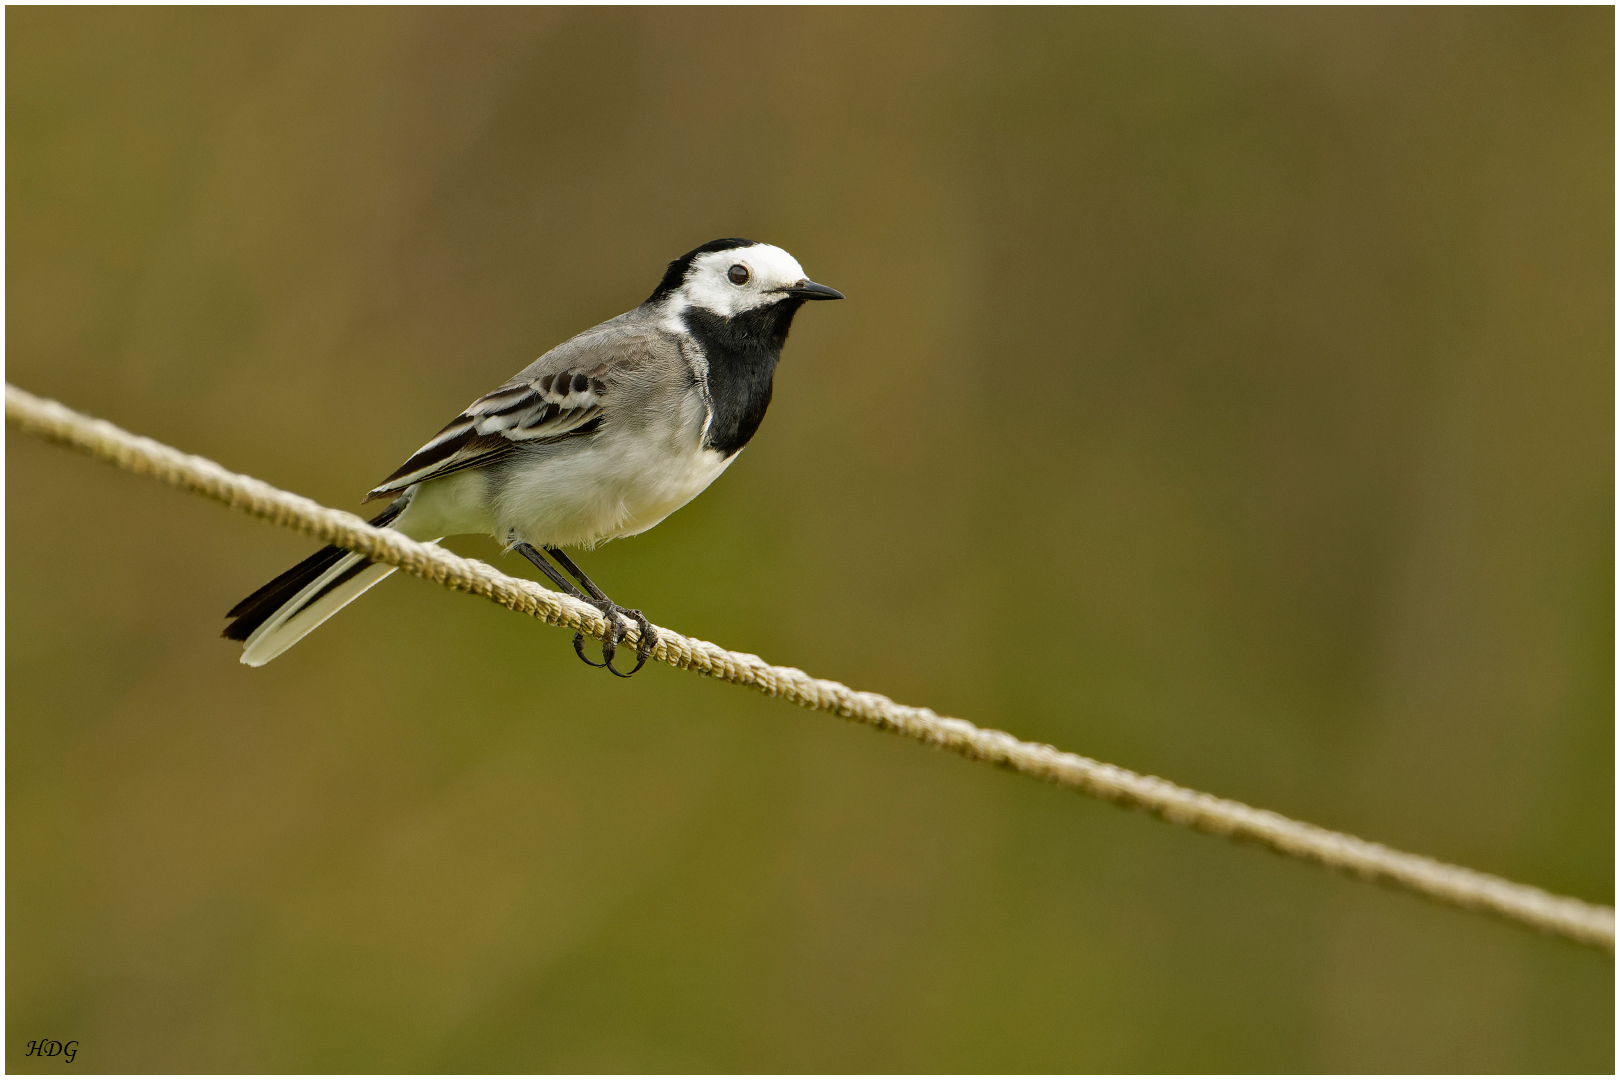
(615,634)
(647,638)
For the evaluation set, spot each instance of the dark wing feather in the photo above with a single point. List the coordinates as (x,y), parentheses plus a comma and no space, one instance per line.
(524,411)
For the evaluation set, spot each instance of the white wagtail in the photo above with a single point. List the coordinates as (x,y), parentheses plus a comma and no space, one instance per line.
(602,437)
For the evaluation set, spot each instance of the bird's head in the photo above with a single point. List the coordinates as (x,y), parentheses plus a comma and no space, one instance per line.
(730,277)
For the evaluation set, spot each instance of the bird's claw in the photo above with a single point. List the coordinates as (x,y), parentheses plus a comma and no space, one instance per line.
(579,647)
(615,634)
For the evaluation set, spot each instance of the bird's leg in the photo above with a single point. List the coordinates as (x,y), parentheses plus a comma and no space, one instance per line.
(528,552)
(649,638)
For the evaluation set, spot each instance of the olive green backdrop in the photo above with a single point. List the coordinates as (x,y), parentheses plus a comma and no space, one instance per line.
(1225,394)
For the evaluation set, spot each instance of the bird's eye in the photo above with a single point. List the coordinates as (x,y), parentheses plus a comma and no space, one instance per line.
(738,274)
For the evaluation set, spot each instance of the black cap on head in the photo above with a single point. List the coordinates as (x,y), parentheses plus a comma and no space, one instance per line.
(677,269)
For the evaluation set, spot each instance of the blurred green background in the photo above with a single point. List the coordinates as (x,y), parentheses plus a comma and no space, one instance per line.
(1225,394)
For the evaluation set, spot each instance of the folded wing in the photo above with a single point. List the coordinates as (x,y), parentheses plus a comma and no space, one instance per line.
(528,410)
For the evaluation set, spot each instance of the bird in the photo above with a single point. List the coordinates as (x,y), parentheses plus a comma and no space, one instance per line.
(601,438)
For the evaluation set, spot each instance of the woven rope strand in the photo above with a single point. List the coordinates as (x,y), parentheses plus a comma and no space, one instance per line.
(1590,924)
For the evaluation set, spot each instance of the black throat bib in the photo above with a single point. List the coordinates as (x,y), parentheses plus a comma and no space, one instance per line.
(742,352)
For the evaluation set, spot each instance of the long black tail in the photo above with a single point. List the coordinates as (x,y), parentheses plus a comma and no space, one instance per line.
(251,613)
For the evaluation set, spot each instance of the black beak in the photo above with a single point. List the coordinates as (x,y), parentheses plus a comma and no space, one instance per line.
(805,289)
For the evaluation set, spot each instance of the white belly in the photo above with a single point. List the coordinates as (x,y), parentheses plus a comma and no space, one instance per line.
(616,488)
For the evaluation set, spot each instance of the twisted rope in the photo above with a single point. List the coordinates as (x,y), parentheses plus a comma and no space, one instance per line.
(1589,924)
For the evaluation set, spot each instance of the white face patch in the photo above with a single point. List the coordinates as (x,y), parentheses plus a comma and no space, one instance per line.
(709,283)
